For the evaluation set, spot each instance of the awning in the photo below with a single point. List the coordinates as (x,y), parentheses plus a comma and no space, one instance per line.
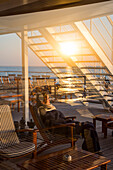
(15,23)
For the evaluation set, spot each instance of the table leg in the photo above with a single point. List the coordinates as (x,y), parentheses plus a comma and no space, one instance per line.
(103,122)
(104,128)
(10,105)
(13,106)
(35,142)
(65,96)
(104,167)
(71,96)
(94,122)
(18,106)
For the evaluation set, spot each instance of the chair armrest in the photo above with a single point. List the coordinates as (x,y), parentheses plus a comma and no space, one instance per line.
(70,117)
(34,139)
(110,125)
(57,126)
(27,130)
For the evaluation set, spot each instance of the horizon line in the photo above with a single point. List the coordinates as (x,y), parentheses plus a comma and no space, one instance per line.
(21,66)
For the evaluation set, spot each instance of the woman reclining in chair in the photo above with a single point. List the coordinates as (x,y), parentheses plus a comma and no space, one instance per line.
(51,117)
(49,114)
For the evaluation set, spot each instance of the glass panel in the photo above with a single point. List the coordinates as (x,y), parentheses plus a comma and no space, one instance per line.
(87,23)
(107,24)
(101,41)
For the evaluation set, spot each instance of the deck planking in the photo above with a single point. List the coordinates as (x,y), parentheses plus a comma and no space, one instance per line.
(77,109)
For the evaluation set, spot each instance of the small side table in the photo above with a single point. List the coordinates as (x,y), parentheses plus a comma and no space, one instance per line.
(104,118)
(80,160)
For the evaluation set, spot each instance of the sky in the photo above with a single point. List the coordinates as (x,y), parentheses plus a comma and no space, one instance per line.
(10,52)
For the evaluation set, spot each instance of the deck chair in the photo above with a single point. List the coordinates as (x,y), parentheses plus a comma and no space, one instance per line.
(0,82)
(13,82)
(10,145)
(48,137)
(5,80)
(35,82)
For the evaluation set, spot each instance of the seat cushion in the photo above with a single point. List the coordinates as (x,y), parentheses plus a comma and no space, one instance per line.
(8,136)
(17,150)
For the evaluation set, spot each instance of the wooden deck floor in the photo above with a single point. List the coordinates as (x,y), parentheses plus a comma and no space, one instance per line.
(82,113)
(107,147)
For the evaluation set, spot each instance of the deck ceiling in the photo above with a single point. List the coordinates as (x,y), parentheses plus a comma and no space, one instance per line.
(12,7)
(15,14)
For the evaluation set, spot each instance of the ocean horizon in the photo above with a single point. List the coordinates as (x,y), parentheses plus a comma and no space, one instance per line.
(33,70)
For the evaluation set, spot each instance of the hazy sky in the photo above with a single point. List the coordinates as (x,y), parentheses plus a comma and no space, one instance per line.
(10,52)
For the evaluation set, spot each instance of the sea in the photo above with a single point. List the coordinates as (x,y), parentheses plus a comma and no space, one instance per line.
(17,70)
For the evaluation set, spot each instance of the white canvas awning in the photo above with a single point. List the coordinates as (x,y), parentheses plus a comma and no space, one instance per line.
(9,24)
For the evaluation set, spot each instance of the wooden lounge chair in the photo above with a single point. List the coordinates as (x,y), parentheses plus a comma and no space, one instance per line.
(35,81)
(0,82)
(10,145)
(48,136)
(5,80)
(11,77)
(13,81)
(9,84)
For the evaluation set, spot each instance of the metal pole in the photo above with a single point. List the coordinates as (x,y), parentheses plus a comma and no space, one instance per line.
(25,74)
(18,92)
(84,95)
(55,90)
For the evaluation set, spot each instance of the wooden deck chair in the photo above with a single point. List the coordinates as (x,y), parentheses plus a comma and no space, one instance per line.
(30,84)
(48,138)
(5,81)
(35,80)
(10,144)
(42,82)
(1,84)
(12,82)
(51,85)
(19,82)
(11,77)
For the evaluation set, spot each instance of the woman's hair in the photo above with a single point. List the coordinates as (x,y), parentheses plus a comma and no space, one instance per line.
(41,99)
(44,98)
(38,101)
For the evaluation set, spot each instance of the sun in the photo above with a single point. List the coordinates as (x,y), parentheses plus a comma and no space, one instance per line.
(68,48)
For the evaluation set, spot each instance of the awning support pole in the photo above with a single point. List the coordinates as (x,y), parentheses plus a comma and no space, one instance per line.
(25,74)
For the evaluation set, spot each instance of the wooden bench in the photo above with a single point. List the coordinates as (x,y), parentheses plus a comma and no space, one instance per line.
(80,160)
(13,102)
(12,99)
(105,119)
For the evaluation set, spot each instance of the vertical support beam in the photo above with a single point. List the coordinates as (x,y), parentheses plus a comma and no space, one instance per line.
(18,93)
(25,74)
(112,43)
(111,22)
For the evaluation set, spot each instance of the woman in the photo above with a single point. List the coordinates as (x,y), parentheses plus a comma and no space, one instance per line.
(49,114)
(51,117)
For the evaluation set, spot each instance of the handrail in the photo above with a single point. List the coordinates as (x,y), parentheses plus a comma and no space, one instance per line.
(97,43)
(29,72)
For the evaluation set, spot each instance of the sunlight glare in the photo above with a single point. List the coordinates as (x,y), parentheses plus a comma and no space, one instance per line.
(68,48)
